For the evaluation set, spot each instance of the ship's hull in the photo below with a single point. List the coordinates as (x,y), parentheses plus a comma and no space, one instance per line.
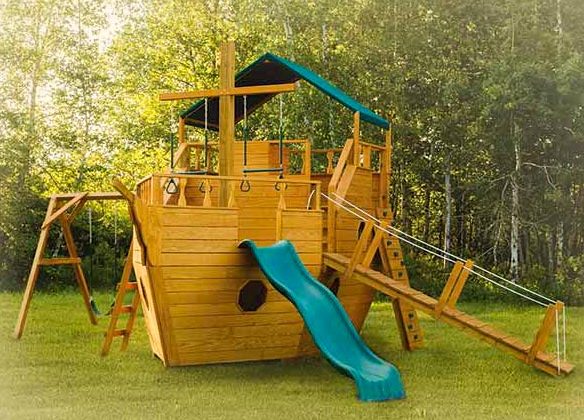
(202,297)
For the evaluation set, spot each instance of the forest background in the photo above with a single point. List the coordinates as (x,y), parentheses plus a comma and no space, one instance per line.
(487,99)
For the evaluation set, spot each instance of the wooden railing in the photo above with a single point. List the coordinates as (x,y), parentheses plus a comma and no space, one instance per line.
(370,156)
(191,156)
(155,190)
(298,149)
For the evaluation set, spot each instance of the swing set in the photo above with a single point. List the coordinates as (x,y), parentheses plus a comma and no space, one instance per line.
(62,210)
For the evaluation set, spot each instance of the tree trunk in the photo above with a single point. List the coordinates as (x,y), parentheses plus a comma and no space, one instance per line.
(559,244)
(447,205)
(427,200)
(514,265)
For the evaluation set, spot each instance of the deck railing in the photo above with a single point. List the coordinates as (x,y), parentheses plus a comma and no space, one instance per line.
(160,189)
(371,156)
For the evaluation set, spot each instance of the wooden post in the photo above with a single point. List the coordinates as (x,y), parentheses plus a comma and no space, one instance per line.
(232,201)
(356,135)
(367,157)
(182,196)
(453,287)
(307,159)
(181,130)
(358,251)
(34,272)
(543,334)
(329,161)
(79,276)
(226,118)
(388,154)
(207,198)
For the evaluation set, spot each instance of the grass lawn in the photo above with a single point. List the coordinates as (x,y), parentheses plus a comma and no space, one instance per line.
(55,371)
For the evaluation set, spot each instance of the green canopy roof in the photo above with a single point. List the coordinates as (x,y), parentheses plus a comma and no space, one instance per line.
(270,69)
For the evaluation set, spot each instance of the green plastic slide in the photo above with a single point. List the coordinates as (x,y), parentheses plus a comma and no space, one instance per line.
(328,323)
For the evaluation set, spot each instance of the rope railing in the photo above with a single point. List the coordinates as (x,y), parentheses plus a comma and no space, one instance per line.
(442,254)
(446,253)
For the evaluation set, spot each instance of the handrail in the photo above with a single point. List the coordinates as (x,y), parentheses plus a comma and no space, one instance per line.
(232,178)
(154,189)
(373,146)
(342,162)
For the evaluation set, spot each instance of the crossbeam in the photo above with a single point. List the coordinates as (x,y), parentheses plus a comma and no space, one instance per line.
(235,91)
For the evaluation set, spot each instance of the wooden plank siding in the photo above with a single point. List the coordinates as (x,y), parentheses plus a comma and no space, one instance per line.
(197,272)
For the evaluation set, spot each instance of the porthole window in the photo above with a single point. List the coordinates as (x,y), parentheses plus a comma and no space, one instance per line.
(252,296)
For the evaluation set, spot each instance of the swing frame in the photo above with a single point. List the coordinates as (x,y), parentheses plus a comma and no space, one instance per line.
(62,209)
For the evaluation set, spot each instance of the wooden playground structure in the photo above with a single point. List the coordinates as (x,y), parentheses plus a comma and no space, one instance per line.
(204,299)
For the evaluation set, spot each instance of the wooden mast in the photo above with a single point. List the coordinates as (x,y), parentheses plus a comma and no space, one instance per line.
(226,117)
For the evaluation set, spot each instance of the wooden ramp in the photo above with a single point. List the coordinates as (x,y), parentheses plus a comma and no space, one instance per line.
(441,309)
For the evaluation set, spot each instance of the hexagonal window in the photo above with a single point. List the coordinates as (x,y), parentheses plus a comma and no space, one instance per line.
(252,296)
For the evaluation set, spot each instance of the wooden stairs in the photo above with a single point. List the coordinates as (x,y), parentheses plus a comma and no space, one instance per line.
(443,310)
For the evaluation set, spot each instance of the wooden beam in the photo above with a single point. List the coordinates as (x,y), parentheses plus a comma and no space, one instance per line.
(90,196)
(356,257)
(60,261)
(63,209)
(356,136)
(543,334)
(456,270)
(181,130)
(75,212)
(34,273)
(226,118)
(459,284)
(229,91)
(378,238)
(79,275)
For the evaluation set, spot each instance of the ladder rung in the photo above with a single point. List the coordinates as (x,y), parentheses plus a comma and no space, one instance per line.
(59,261)
(118,333)
(126,309)
(132,285)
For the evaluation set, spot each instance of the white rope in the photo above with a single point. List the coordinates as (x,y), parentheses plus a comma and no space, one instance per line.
(310,199)
(545,298)
(430,251)
(379,227)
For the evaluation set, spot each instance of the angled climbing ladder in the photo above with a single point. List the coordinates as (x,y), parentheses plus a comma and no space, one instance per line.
(120,308)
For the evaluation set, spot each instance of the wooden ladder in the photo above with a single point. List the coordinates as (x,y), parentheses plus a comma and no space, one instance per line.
(405,314)
(120,308)
(393,264)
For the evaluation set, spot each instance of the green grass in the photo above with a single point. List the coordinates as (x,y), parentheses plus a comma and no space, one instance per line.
(55,372)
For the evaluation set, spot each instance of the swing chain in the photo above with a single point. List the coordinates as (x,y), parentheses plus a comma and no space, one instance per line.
(244,132)
(206,135)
